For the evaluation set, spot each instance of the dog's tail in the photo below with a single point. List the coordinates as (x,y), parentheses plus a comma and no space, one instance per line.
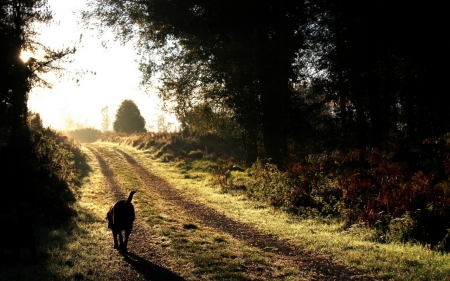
(130,196)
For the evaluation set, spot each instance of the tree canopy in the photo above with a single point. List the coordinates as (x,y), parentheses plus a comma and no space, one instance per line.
(383,62)
(128,118)
(242,49)
(323,74)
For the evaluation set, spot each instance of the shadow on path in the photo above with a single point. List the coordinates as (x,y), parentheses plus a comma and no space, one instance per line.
(149,270)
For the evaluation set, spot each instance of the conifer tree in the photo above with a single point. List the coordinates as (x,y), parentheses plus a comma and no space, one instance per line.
(128,118)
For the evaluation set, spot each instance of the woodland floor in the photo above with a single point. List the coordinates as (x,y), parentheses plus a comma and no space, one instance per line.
(146,260)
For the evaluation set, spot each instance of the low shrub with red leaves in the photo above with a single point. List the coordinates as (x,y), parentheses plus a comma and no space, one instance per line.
(379,189)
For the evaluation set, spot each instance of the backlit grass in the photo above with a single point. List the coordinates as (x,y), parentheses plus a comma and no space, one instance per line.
(196,251)
(393,261)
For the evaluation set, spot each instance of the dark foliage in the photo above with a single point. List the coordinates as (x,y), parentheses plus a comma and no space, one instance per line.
(39,169)
(380,190)
(379,64)
(18,32)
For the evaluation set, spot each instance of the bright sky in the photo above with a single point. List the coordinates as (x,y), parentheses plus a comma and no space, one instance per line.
(117,76)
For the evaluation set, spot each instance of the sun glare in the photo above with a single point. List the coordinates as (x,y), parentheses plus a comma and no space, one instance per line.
(25,56)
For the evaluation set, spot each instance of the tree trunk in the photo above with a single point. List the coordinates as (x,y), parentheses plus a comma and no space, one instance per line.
(274,107)
(376,113)
(360,121)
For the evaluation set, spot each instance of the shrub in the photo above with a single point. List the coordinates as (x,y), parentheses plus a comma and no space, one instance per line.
(401,229)
(300,188)
(400,200)
(382,190)
(40,168)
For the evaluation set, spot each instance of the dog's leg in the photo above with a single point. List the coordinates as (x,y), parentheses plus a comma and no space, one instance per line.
(121,240)
(116,246)
(127,234)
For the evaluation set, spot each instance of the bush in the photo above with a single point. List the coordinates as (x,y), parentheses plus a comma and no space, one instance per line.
(415,199)
(401,229)
(40,168)
(298,189)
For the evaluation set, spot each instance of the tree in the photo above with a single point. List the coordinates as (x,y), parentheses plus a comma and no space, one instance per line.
(128,118)
(162,125)
(18,31)
(245,47)
(105,119)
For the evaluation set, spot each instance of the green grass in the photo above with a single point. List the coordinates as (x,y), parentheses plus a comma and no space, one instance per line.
(195,250)
(393,261)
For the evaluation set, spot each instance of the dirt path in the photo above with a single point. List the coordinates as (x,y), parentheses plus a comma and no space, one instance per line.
(147,261)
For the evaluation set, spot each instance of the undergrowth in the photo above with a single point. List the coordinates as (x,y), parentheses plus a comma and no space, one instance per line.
(39,170)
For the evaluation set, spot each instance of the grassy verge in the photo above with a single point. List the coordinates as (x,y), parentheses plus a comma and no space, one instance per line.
(393,261)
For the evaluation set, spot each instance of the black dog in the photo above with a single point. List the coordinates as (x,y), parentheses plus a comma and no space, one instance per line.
(121,217)
(15,236)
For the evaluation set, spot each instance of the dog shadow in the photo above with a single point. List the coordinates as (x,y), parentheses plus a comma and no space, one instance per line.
(149,270)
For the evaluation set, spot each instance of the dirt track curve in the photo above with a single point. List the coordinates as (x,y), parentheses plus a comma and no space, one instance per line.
(147,263)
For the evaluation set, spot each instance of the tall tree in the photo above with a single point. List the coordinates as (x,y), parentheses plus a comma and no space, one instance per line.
(128,118)
(18,32)
(246,47)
